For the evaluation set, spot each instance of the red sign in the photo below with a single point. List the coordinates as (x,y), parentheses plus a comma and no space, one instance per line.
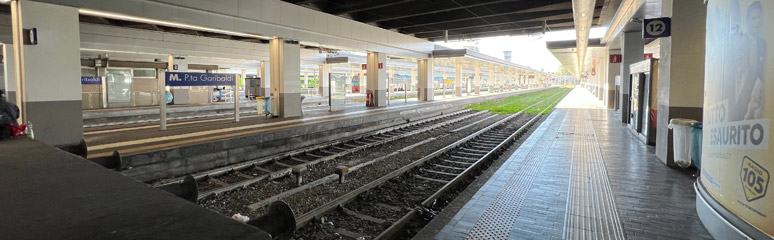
(648,56)
(615,58)
(365,66)
(381,65)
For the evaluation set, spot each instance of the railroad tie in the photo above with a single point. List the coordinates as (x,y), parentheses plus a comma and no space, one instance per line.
(430,179)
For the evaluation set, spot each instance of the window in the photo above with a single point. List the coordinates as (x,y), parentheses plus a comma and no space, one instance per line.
(144,73)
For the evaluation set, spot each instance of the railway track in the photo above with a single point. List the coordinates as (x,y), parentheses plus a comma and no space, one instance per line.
(386,207)
(295,163)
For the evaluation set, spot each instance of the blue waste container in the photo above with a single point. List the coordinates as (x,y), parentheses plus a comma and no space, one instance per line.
(267,106)
(696,144)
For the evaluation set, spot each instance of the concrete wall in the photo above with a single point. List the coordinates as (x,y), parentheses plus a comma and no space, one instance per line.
(268,18)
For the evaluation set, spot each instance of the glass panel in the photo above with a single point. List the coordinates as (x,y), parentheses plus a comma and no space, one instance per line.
(338,90)
(88,72)
(119,85)
(144,73)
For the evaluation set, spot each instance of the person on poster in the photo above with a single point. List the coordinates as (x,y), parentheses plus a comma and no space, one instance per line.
(732,61)
(753,85)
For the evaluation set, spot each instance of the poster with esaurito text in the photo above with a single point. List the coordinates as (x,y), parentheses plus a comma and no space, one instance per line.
(737,158)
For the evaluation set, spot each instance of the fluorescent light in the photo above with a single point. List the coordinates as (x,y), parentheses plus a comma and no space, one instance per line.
(124,17)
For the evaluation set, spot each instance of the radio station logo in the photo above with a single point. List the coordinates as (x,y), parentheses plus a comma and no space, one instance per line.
(755,179)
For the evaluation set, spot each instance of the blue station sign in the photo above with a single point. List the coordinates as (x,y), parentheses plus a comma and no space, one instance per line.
(91,80)
(199,79)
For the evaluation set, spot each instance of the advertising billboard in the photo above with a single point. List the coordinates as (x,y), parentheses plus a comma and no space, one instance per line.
(737,158)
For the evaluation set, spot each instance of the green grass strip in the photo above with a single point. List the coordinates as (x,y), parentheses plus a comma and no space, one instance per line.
(519,102)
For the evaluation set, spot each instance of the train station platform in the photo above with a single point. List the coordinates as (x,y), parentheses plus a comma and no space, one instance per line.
(191,146)
(580,175)
(50,194)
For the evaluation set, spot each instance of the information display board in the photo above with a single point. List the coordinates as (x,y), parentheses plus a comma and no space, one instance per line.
(737,158)
(338,94)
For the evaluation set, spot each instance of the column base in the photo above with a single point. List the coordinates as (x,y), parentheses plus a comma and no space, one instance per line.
(56,123)
(290,105)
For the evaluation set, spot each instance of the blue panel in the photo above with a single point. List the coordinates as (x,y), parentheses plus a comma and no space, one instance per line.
(91,80)
(199,79)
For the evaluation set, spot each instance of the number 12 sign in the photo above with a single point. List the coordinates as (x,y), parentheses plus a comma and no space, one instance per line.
(656,27)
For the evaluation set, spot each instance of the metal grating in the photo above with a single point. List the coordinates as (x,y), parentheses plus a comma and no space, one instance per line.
(498,219)
(591,211)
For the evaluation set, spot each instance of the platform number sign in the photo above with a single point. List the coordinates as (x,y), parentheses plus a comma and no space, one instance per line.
(656,27)
(755,179)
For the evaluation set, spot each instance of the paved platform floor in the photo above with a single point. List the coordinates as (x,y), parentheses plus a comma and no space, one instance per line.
(50,194)
(580,175)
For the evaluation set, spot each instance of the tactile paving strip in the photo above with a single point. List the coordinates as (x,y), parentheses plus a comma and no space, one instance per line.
(591,211)
(498,219)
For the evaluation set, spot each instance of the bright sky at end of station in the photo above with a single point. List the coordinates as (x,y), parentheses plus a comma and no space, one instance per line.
(528,50)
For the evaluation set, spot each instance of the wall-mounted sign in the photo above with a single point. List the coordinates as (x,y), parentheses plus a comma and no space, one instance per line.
(91,80)
(647,56)
(615,58)
(199,79)
(365,66)
(381,65)
(656,27)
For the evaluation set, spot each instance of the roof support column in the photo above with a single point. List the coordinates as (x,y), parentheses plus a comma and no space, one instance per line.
(52,104)
(377,78)
(458,77)
(9,65)
(477,79)
(324,83)
(490,78)
(265,79)
(425,74)
(682,65)
(613,70)
(285,58)
(502,78)
(632,47)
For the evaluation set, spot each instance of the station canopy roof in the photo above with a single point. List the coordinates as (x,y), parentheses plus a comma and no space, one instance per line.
(464,19)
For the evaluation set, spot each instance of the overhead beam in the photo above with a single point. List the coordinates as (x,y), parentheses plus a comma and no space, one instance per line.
(436,11)
(358,9)
(517,23)
(525,10)
(526,19)
(536,24)
(499,33)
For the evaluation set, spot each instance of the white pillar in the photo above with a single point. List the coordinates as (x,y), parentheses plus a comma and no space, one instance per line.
(324,84)
(477,79)
(458,77)
(48,74)
(425,78)
(265,79)
(285,57)
(377,78)
(9,72)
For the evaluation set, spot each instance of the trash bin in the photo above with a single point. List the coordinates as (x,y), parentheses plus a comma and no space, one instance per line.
(267,106)
(259,105)
(696,135)
(681,139)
